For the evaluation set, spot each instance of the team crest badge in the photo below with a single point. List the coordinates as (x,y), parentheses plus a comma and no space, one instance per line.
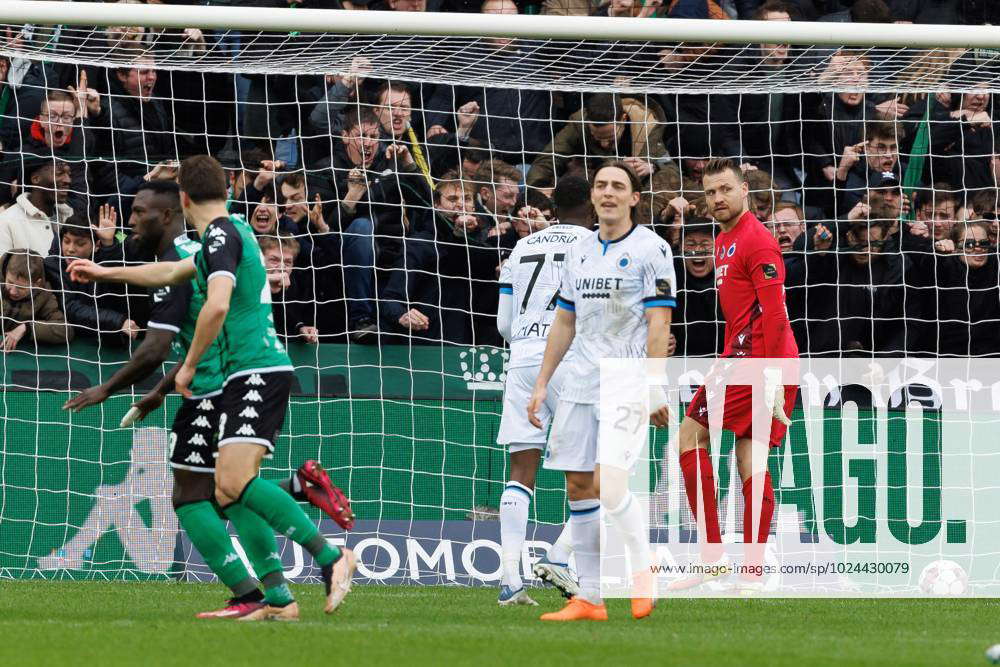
(624,261)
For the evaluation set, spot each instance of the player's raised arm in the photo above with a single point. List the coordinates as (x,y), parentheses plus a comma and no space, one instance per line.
(153,274)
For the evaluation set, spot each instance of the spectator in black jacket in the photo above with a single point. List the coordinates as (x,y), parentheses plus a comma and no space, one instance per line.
(141,128)
(697,321)
(857,297)
(869,164)
(967,298)
(293,308)
(86,311)
(515,123)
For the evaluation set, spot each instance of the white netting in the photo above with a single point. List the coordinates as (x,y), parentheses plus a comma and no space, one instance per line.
(854,143)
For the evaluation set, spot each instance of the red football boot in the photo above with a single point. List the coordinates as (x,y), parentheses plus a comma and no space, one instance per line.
(320,492)
(233,609)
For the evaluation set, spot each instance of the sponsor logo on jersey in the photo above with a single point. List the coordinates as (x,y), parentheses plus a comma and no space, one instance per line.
(249,413)
(252,395)
(206,405)
(201,422)
(255,380)
(246,429)
(194,457)
(198,440)
(599,283)
(770,271)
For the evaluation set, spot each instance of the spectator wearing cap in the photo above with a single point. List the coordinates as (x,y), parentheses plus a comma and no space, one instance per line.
(873,163)
(966,301)
(697,320)
(608,127)
(31,221)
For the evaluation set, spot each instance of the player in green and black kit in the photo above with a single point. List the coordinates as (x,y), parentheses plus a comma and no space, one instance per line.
(158,227)
(258,374)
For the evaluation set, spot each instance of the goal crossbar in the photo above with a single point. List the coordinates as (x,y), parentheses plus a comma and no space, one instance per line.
(348,22)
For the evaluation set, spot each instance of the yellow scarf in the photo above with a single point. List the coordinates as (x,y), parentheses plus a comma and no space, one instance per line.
(418,156)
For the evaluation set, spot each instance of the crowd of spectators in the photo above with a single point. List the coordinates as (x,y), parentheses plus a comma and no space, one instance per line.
(384,209)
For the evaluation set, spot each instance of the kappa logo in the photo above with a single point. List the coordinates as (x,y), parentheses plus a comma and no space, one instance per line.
(255,380)
(194,457)
(206,405)
(246,429)
(252,395)
(231,557)
(249,413)
(198,440)
(202,422)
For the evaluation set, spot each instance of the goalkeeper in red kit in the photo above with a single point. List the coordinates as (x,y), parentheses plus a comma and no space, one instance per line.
(750,277)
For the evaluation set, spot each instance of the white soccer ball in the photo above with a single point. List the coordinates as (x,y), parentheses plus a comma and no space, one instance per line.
(993,654)
(944,577)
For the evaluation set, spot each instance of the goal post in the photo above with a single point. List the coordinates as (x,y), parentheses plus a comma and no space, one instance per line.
(408,427)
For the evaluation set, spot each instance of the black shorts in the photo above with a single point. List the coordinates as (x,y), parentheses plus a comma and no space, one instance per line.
(253,408)
(193,435)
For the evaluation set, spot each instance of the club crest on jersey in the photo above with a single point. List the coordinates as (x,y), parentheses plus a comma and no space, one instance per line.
(624,261)
(731,251)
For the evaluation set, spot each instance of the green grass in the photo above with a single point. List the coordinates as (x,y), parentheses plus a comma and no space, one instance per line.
(69,623)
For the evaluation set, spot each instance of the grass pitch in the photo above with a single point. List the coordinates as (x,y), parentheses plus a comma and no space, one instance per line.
(67,623)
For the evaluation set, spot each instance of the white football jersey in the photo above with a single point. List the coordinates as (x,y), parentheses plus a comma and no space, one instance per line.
(609,285)
(531,275)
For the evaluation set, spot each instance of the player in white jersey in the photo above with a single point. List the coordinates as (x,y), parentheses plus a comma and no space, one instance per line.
(615,300)
(529,281)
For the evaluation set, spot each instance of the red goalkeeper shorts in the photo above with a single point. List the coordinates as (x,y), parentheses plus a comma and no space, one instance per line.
(737,415)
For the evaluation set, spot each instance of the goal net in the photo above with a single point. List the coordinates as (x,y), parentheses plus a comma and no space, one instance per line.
(388,174)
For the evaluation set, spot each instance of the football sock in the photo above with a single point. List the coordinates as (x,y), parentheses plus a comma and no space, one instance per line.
(628,518)
(755,547)
(276,591)
(515,502)
(697,466)
(209,536)
(284,515)
(292,487)
(563,547)
(585,517)
(261,548)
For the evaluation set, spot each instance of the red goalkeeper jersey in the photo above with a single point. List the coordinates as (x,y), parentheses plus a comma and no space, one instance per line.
(750,277)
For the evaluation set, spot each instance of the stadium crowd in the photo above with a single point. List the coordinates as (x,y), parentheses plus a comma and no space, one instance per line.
(385,209)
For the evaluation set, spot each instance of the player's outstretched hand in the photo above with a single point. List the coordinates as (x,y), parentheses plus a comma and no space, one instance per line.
(535,404)
(86,398)
(85,271)
(182,383)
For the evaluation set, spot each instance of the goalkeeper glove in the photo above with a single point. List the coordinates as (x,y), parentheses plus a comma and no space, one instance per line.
(774,395)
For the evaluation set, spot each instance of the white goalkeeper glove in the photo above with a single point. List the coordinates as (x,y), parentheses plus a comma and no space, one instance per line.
(130,417)
(774,395)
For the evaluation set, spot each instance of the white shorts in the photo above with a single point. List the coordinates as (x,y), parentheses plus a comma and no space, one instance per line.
(573,441)
(580,438)
(515,429)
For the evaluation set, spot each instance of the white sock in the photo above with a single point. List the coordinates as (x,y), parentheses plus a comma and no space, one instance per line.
(628,519)
(585,519)
(514,504)
(563,546)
